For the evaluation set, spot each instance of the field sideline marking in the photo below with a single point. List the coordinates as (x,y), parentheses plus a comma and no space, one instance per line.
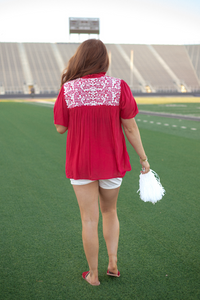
(139,100)
(166,100)
(165,124)
(49,101)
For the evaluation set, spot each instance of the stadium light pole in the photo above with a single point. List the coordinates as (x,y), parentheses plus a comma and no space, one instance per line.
(131,69)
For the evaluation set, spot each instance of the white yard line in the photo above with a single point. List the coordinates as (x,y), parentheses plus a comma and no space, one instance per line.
(166,124)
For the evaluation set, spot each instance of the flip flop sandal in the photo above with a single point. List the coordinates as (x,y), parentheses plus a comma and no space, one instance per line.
(113,274)
(85,274)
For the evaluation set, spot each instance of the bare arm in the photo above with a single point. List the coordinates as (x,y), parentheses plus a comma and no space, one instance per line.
(61,129)
(133,135)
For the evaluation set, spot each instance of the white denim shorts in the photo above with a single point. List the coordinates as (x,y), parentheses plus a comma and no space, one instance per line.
(108,184)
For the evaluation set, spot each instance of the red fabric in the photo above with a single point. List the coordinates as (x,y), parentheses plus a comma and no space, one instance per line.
(92,107)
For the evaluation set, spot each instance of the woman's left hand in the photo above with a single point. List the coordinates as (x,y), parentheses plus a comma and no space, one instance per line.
(145,166)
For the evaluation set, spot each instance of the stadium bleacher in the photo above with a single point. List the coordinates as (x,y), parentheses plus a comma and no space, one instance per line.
(194,54)
(149,67)
(156,68)
(177,59)
(44,67)
(119,66)
(11,72)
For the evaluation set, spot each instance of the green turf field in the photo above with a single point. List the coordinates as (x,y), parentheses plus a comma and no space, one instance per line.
(41,253)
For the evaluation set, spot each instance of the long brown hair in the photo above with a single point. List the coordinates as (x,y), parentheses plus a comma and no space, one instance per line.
(91,57)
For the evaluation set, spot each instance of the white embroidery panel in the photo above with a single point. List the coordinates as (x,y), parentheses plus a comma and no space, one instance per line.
(103,90)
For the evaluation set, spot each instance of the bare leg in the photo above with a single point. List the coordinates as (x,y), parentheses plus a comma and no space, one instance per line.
(87,197)
(108,204)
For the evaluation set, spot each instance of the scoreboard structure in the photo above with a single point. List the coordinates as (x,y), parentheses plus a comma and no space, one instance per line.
(84,25)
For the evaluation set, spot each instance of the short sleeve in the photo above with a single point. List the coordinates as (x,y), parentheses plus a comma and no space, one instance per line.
(61,111)
(128,105)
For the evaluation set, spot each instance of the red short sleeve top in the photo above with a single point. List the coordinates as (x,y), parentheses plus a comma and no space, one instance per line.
(92,107)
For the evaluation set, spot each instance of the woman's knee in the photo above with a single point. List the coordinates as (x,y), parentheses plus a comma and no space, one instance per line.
(108,201)
(105,210)
(90,218)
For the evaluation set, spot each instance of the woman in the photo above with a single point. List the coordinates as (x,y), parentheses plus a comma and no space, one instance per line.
(93,107)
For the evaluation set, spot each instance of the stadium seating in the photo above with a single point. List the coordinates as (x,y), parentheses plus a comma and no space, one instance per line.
(11,73)
(194,54)
(156,68)
(149,67)
(44,67)
(177,59)
(119,68)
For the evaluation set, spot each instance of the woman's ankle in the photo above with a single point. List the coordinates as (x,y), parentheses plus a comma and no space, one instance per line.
(94,273)
(112,266)
(93,277)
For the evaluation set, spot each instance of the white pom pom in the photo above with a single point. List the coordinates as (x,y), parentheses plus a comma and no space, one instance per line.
(150,188)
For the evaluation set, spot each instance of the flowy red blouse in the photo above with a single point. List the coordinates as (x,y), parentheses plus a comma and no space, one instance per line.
(92,107)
